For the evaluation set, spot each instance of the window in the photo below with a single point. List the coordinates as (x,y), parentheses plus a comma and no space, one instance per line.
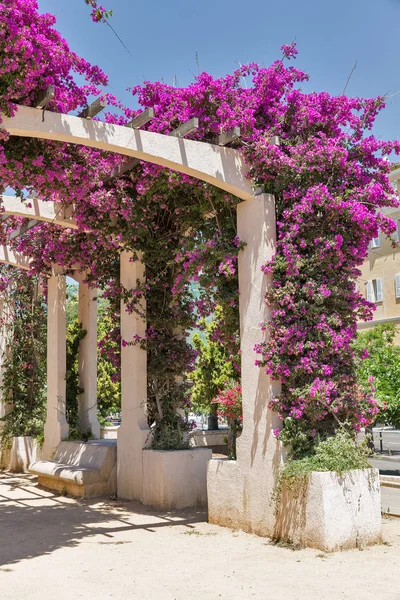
(375,243)
(397,284)
(375,290)
(395,234)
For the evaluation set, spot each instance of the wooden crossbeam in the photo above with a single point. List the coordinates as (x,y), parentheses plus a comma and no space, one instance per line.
(44,97)
(227,137)
(141,119)
(91,111)
(186,128)
(24,228)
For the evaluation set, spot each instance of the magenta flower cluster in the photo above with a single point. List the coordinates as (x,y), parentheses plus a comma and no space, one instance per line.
(329,176)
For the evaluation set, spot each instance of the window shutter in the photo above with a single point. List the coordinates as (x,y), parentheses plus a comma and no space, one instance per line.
(370,291)
(379,290)
(395,234)
(397,280)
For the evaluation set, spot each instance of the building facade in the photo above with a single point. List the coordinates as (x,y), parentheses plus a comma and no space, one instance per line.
(380,273)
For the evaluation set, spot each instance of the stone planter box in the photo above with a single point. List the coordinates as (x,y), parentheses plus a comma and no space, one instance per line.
(109,433)
(203,438)
(18,457)
(332,512)
(175,479)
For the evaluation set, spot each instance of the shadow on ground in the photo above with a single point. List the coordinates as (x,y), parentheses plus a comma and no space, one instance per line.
(35,522)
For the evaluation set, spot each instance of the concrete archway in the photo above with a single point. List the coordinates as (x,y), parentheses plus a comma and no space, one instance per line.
(40,210)
(15,259)
(219,166)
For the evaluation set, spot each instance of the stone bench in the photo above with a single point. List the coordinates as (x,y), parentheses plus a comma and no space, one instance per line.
(80,469)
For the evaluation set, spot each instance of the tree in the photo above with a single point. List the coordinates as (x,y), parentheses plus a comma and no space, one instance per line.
(24,368)
(214,368)
(379,365)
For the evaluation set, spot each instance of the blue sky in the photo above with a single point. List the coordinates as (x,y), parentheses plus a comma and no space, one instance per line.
(164,37)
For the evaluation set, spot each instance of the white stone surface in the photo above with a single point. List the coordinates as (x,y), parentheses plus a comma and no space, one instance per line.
(87,360)
(134,432)
(332,512)
(13,258)
(81,469)
(239,492)
(175,479)
(56,426)
(203,438)
(40,210)
(220,166)
(109,433)
(6,313)
(19,456)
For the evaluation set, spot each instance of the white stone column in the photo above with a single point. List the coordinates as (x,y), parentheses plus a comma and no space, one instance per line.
(56,427)
(240,492)
(6,324)
(88,360)
(133,433)
(256,226)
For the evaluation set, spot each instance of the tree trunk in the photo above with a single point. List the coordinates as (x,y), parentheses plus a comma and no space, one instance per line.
(232,435)
(212,423)
(369,437)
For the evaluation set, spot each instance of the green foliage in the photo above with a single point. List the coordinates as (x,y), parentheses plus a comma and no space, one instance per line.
(171,433)
(75,334)
(339,453)
(296,439)
(108,391)
(77,434)
(214,367)
(24,378)
(72,303)
(383,365)
(108,375)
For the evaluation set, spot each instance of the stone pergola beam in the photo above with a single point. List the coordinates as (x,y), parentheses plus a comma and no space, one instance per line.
(223,167)
(15,259)
(40,210)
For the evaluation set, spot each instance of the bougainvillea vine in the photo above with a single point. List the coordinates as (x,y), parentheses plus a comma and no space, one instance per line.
(329,176)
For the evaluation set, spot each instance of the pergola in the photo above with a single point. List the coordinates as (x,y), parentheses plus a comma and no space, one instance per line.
(237,488)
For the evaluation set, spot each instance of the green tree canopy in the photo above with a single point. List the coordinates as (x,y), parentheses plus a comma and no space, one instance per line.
(383,365)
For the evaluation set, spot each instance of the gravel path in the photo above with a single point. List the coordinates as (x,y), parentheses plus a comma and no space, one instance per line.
(52,547)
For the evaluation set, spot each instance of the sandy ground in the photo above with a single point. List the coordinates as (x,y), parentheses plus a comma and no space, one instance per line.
(56,547)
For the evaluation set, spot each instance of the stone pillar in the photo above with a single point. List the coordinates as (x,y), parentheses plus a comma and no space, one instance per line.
(56,427)
(88,360)
(5,325)
(240,492)
(133,433)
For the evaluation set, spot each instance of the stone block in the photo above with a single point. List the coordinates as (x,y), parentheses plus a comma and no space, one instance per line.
(203,438)
(22,452)
(331,511)
(84,470)
(175,479)
(109,433)
(328,511)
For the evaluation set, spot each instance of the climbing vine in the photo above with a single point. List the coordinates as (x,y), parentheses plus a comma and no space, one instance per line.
(329,176)
(24,334)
